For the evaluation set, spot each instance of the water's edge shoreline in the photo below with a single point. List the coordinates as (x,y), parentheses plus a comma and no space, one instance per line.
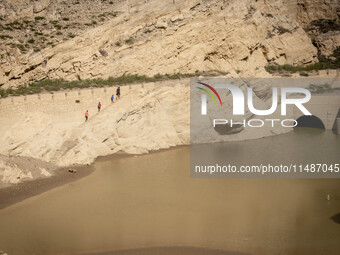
(16,193)
(29,188)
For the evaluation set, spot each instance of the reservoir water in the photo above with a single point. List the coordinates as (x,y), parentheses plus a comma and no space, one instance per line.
(151,201)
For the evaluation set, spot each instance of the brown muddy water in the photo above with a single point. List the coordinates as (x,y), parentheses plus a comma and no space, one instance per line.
(151,201)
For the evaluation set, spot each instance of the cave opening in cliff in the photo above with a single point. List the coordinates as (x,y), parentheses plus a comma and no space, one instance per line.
(310,121)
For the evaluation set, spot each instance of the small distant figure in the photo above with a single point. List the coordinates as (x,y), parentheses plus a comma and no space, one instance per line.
(118,93)
(99,106)
(112,97)
(86,115)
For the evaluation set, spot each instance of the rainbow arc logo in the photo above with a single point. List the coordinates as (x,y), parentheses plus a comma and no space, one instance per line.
(209,93)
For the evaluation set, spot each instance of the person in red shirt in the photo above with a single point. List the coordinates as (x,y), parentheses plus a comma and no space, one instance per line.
(99,106)
(86,115)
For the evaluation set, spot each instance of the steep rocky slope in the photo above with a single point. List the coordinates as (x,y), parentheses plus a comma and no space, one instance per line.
(150,37)
(47,133)
(28,25)
(309,11)
(54,132)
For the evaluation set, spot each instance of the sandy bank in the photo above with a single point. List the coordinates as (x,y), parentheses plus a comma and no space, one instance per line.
(41,133)
(31,187)
(13,193)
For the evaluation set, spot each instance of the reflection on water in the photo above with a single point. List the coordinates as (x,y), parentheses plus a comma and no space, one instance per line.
(301,147)
(150,201)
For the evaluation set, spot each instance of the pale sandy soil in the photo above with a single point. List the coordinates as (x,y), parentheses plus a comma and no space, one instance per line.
(40,133)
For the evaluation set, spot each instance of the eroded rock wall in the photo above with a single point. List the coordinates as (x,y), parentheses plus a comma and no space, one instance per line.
(151,37)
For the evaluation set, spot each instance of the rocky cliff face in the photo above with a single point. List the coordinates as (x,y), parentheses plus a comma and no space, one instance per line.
(309,11)
(28,25)
(150,37)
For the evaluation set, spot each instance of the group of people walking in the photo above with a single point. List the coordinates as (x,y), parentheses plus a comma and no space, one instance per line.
(100,105)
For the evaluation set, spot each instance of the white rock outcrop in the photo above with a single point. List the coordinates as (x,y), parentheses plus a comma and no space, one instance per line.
(49,132)
(162,37)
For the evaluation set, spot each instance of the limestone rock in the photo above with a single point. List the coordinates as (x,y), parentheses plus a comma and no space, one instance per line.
(161,24)
(308,11)
(44,132)
(238,36)
(40,5)
(328,42)
(3,79)
(177,18)
(26,13)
